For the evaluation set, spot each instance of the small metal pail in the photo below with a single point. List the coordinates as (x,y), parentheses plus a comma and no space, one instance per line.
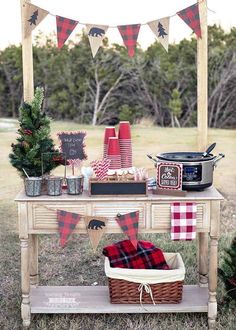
(74,185)
(33,186)
(54,186)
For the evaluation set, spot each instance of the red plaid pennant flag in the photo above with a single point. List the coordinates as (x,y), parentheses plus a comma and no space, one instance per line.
(67,222)
(129,35)
(129,224)
(190,16)
(183,221)
(65,26)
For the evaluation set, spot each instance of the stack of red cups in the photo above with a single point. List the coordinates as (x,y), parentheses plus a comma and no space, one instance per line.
(113,153)
(125,144)
(109,132)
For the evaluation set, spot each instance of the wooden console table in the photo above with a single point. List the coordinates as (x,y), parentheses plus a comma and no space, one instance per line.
(37,215)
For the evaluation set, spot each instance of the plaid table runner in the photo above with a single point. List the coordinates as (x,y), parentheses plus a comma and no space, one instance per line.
(124,255)
(183,221)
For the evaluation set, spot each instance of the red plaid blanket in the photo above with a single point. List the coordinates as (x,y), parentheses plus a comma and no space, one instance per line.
(124,255)
(183,221)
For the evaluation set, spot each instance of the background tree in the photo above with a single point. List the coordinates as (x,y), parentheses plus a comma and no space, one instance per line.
(78,87)
(175,105)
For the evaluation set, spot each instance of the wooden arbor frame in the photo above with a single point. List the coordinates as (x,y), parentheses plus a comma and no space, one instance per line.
(202,72)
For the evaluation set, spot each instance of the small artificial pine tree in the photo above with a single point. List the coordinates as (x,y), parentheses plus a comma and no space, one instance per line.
(34,140)
(227,271)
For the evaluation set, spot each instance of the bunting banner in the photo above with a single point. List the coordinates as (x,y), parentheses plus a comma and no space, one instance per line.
(65,27)
(129,225)
(67,222)
(33,17)
(96,34)
(129,34)
(160,28)
(96,226)
(190,16)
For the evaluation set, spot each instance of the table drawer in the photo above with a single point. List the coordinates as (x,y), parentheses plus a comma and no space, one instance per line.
(110,211)
(45,216)
(161,216)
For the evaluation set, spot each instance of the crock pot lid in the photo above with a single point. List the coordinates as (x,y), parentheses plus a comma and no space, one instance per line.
(184,156)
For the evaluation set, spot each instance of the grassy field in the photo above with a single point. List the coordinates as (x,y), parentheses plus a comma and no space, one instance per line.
(77,264)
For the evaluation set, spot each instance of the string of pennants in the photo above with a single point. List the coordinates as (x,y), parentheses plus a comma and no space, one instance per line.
(34,15)
(96,226)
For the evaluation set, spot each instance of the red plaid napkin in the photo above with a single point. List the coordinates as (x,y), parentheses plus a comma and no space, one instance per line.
(65,26)
(190,16)
(129,224)
(183,221)
(123,255)
(67,222)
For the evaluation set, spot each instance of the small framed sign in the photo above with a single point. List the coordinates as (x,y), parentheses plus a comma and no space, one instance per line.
(169,176)
(72,145)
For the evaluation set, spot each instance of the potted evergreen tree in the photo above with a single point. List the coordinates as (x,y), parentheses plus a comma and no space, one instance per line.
(34,141)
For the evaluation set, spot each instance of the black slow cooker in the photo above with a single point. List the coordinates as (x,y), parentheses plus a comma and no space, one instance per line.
(197,167)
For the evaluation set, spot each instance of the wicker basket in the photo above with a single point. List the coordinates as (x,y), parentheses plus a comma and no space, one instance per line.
(126,292)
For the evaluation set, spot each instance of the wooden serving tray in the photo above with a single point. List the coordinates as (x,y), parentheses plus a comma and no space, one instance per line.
(107,188)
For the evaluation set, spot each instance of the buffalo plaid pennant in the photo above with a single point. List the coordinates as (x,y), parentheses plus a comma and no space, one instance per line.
(65,27)
(129,224)
(190,16)
(183,221)
(67,222)
(129,35)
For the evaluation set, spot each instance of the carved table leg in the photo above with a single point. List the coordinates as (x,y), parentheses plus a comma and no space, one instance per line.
(214,235)
(34,277)
(203,258)
(25,282)
(212,303)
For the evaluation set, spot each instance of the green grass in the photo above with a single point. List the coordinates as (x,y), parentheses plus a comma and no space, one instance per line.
(77,264)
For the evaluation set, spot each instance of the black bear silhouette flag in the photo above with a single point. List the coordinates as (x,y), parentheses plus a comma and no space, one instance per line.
(96,227)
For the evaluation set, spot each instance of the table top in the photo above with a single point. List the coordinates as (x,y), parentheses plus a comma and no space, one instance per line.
(207,194)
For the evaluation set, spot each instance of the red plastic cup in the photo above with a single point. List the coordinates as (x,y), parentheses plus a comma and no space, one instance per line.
(109,132)
(113,146)
(124,130)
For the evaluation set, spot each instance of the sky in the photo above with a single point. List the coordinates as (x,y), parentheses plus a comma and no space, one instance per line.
(110,12)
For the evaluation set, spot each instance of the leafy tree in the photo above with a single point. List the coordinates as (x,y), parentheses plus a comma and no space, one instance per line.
(175,105)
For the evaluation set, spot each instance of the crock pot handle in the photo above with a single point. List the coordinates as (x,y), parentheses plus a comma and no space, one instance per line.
(219,157)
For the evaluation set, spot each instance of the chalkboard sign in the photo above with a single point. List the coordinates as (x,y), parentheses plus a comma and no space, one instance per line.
(72,145)
(169,176)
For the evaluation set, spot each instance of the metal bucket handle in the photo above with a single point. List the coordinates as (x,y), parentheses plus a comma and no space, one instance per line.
(218,158)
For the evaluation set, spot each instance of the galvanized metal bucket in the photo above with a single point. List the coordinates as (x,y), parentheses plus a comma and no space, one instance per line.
(54,186)
(74,185)
(33,186)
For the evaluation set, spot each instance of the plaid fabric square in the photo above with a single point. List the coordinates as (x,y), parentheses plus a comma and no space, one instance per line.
(124,255)
(65,26)
(129,225)
(183,221)
(129,35)
(67,222)
(190,16)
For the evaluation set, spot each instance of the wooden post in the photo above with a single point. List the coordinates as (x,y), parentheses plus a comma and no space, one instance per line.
(202,79)
(27,58)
